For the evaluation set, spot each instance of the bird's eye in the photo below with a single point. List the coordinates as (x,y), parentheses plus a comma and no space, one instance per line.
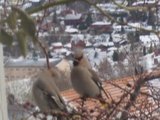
(75,62)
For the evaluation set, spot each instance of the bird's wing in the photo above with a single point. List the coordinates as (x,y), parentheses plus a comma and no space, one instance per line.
(60,101)
(51,91)
(95,78)
(53,95)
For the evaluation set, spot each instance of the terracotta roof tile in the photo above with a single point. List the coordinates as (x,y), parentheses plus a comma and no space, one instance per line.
(114,88)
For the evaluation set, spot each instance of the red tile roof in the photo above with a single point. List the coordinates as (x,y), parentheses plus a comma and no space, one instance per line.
(116,88)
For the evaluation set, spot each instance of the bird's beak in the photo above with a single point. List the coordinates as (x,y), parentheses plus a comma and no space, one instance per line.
(70,57)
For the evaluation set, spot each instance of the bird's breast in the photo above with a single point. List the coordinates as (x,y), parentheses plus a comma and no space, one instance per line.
(83,83)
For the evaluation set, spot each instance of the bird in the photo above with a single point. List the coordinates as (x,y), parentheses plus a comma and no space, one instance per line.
(78,56)
(46,94)
(84,79)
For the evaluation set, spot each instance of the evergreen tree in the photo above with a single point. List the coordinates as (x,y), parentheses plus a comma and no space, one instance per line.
(89,20)
(115,56)
(144,51)
(133,37)
(34,56)
(150,48)
(55,17)
(49,54)
(151,18)
(82,26)
(132,46)
(136,36)
(121,20)
(130,37)
(96,54)
(110,38)
(155,46)
(122,29)
(130,2)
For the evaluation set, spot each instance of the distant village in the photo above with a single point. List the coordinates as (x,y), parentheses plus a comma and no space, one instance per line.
(66,27)
(116,48)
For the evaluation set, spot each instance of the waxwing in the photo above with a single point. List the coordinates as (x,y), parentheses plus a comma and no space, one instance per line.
(85,80)
(79,56)
(46,93)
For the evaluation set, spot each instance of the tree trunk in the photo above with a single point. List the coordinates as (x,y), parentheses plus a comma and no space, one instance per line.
(3,102)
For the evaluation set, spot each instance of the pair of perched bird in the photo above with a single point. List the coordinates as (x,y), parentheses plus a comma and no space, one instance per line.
(85,82)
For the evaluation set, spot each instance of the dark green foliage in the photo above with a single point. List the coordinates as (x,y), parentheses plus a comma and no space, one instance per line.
(55,17)
(21,39)
(130,2)
(82,26)
(95,54)
(27,23)
(130,37)
(89,20)
(122,29)
(151,18)
(21,26)
(5,38)
(49,54)
(115,56)
(155,46)
(144,50)
(121,20)
(132,47)
(136,36)
(12,20)
(150,48)
(35,55)
(110,38)
(137,15)
(133,37)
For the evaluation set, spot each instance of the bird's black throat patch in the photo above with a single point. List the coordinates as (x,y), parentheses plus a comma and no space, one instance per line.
(77,60)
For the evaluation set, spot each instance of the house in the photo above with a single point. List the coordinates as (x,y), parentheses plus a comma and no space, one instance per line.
(148,40)
(68,46)
(56,45)
(142,3)
(57,49)
(71,30)
(73,19)
(88,44)
(79,43)
(100,27)
(32,4)
(104,45)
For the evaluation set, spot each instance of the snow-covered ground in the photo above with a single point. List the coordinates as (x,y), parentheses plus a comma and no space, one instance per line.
(21,89)
(95,56)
